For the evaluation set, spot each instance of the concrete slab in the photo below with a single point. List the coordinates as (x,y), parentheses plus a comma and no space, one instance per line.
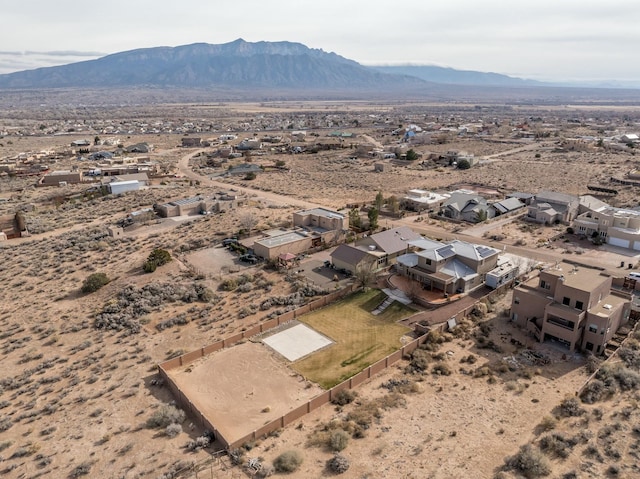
(296,342)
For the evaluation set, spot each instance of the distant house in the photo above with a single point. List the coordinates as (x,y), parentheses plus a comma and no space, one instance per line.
(451,267)
(189,142)
(249,144)
(118,187)
(467,207)
(629,138)
(422,200)
(525,198)
(81,144)
(616,226)
(139,148)
(508,205)
(550,207)
(56,178)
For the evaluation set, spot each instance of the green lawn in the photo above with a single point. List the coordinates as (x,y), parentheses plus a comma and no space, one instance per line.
(360,338)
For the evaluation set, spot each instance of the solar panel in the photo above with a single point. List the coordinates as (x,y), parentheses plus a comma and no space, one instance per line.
(485,251)
(446,251)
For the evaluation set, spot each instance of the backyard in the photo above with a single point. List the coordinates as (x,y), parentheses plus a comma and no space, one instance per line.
(361,338)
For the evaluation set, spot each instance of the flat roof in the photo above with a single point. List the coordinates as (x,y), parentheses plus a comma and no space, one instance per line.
(577,276)
(290,237)
(321,212)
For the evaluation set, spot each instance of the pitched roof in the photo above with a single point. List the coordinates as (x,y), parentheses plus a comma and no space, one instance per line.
(510,204)
(556,198)
(349,254)
(394,240)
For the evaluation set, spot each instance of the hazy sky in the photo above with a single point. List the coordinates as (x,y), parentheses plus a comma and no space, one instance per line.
(542,39)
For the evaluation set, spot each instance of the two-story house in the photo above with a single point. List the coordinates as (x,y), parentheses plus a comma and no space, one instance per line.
(452,267)
(616,226)
(572,304)
(549,207)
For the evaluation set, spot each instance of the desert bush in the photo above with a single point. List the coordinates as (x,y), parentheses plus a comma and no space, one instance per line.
(344,397)
(288,461)
(228,284)
(548,423)
(595,391)
(338,440)
(593,363)
(158,257)
(570,407)
(529,462)
(172,430)
(237,456)
(201,442)
(338,464)
(441,369)
(81,470)
(556,445)
(419,360)
(94,282)
(167,414)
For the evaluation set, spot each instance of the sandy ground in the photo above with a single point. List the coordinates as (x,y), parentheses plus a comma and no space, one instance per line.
(242,388)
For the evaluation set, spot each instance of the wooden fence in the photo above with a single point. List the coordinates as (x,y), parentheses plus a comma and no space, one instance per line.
(297,413)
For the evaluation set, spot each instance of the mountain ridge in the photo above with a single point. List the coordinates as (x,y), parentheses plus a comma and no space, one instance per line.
(238,64)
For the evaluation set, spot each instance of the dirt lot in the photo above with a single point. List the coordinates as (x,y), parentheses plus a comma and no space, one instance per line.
(242,388)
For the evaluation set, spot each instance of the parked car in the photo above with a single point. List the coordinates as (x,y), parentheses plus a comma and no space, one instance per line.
(249,258)
(229,241)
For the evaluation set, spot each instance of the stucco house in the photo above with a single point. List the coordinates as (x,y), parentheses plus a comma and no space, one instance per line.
(468,207)
(549,207)
(616,226)
(378,251)
(451,267)
(571,304)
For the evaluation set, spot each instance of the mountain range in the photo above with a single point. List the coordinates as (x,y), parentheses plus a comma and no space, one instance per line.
(238,64)
(281,65)
(273,70)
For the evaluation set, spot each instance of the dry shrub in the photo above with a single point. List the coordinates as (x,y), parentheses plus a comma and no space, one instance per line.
(288,461)
(338,440)
(529,462)
(338,464)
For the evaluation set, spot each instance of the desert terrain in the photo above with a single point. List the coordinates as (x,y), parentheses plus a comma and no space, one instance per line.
(79,389)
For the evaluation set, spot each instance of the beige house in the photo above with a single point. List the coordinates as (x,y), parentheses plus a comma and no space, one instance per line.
(330,225)
(56,178)
(549,207)
(312,229)
(451,267)
(571,304)
(375,252)
(616,226)
(283,242)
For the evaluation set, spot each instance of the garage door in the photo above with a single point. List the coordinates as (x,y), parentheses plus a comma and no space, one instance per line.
(636,245)
(619,242)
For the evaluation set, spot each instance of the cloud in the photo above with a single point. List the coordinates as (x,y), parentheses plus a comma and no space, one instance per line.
(12,61)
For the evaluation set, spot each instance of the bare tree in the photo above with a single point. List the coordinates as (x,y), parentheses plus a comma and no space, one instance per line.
(248,221)
(364,275)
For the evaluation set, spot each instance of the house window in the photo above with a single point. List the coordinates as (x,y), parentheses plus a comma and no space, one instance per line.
(544,284)
(516,300)
(589,346)
(579,305)
(593,328)
(566,301)
(428,261)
